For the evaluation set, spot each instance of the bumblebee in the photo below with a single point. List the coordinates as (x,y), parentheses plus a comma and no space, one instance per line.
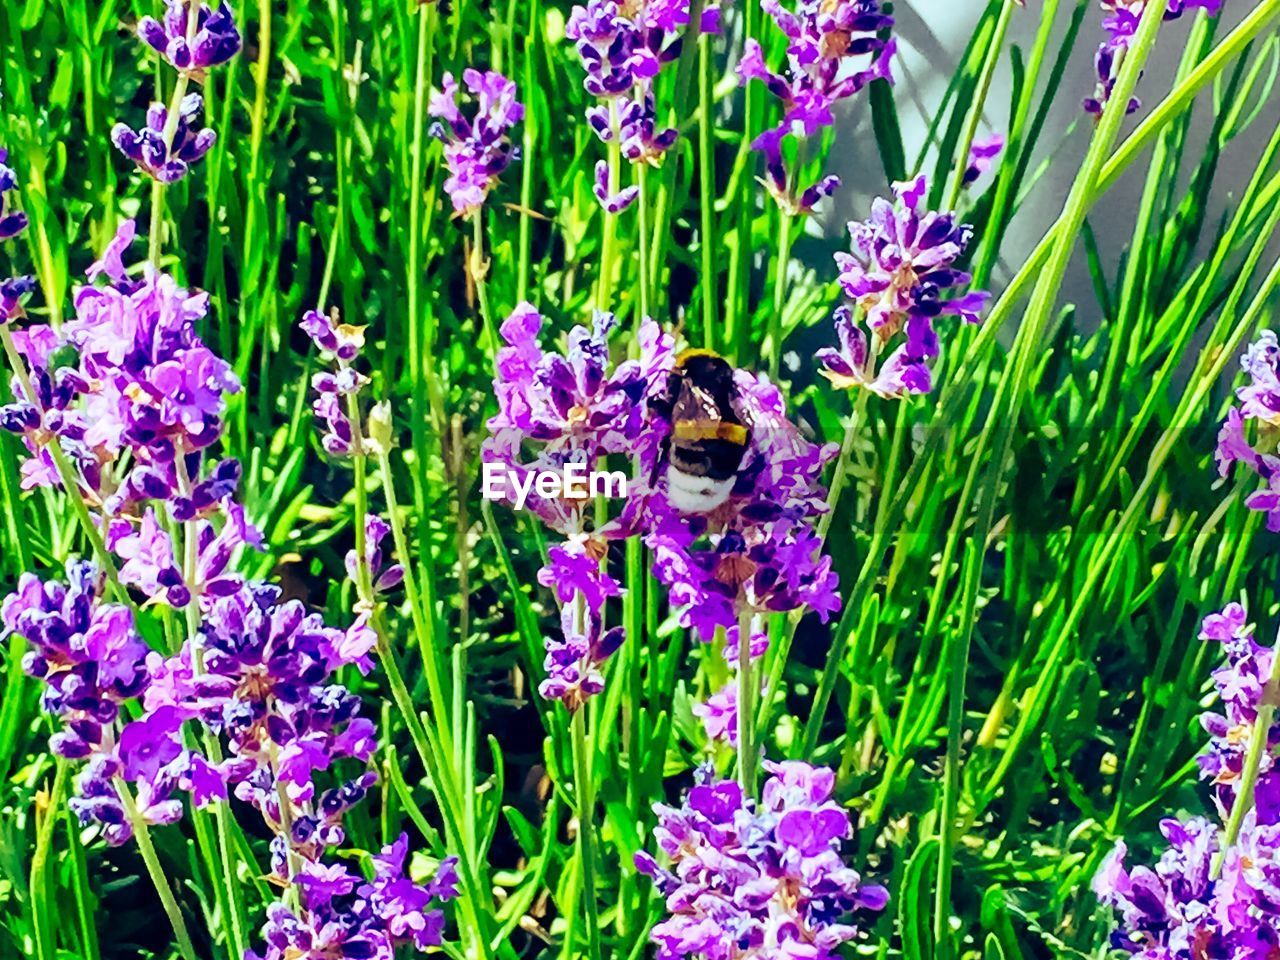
(709,435)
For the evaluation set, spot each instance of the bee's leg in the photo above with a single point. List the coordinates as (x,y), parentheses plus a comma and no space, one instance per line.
(664,451)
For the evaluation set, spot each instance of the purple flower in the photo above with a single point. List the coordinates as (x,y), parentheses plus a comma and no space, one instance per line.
(156,389)
(330,406)
(901,275)
(155,153)
(763,880)
(612,202)
(1260,407)
(340,916)
(622,49)
(719,714)
(479,148)
(758,552)
(834,50)
(149,562)
(92,661)
(383,578)
(1178,909)
(571,408)
(851,365)
(12,222)
(341,340)
(150,743)
(1121,25)
(214,40)
(982,155)
(573,661)
(13,292)
(333,388)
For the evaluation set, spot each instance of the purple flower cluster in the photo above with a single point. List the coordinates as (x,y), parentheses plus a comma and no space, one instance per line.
(900,276)
(1258,410)
(12,222)
(158,154)
(573,408)
(750,881)
(343,342)
(759,552)
(1121,26)
(834,50)
(343,915)
(982,156)
(555,410)
(719,714)
(13,290)
(1241,684)
(211,40)
(623,48)
(126,382)
(92,662)
(1201,900)
(477,149)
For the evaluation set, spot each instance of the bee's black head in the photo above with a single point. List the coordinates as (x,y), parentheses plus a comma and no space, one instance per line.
(705,368)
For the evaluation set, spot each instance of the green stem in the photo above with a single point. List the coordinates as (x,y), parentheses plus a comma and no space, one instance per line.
(422,329)
(1004,415)
(747,751)
(608,246)
(974,117)
(585,796)
(142,833)
(46,939)
(480,274)
(707,280)
(421,610)
(642,212)
(779,293)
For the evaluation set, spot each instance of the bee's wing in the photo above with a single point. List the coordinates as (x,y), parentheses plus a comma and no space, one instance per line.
(696,404)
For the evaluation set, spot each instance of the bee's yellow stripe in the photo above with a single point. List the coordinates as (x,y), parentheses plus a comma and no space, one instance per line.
(694,352)
(709,430)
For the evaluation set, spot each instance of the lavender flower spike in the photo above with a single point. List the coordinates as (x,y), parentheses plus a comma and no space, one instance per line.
(12,222)
(834,50)
(476,149)
(163,160)
(1260,405)
(1121,25)
(758,881)
(215,39)
(901,275)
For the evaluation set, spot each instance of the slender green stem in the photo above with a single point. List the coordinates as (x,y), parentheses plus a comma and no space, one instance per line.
(642,212)
(748,754)
(1004,414)
(584,791)
(978,104)
(421,609)
(707,280)
(155,232)
(46,939)
(779,293)
(142,834)
(609,244)
(422,365)
(479,267)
